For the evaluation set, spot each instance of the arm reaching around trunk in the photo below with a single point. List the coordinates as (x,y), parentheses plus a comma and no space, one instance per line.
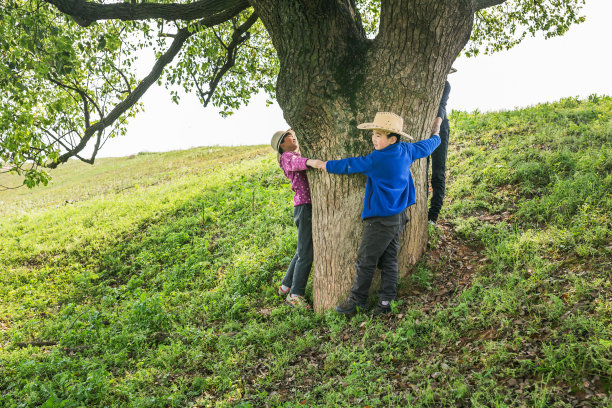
(425,147)
(316,164)
(350,165)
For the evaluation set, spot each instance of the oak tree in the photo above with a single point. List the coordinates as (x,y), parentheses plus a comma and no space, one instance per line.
(70,79)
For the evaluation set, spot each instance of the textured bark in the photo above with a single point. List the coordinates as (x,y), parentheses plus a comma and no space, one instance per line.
(331,79)
(213,12)
(482,4)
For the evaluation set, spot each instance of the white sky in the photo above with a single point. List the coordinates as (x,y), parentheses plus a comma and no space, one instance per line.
(537,70)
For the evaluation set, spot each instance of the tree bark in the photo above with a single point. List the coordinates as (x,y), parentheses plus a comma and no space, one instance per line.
(482,4)
(213,12)
(333,78)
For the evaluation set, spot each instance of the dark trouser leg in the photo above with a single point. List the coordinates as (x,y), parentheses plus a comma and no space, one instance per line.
(288,279)
(388,266)
(299,269)
(389,271)
(438,173)
(376,238)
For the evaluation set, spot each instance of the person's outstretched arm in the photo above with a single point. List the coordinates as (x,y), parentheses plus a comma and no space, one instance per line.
(425,147)
(350,165)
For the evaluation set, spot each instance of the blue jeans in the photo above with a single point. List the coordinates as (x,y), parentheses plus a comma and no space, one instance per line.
(438,173)
(299,268)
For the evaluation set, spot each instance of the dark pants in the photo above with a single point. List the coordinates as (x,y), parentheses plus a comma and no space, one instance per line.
(299,268)
(379,247)
(438,173)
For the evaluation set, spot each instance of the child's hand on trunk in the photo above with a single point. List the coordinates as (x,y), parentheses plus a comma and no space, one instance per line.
(317,164)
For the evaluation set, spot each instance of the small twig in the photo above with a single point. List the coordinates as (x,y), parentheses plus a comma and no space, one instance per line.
(4,188)
(75,320)
(162,336)
(36,343)
(74,349)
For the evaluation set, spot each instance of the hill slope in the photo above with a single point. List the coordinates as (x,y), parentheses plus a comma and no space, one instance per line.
(150,281)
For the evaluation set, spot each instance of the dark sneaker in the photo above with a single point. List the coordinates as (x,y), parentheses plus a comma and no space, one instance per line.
(349,306)
(381,309)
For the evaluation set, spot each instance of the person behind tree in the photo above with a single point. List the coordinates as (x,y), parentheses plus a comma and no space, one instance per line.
(389,192)
(438,157)
(294,166)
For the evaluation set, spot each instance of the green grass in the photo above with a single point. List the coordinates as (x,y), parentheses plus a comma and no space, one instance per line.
(155,277)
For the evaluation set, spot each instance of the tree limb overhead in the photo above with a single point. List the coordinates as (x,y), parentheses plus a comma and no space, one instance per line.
(482,4)
(180,38)
(239,36)
(212,12)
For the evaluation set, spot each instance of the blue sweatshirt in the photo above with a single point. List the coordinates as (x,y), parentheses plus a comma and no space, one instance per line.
(389,189)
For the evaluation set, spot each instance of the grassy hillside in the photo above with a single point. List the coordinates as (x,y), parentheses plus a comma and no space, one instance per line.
(150,282)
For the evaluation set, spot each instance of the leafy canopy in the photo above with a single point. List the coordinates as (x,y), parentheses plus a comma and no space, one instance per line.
(67,87)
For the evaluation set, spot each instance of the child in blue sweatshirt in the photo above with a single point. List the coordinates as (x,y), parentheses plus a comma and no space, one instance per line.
(389,191)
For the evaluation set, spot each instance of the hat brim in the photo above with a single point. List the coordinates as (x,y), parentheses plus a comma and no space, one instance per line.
(370,126)
(453,70)
(280,140)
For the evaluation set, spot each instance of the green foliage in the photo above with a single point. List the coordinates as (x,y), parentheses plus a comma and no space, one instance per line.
(533,187)
(503,26)
(156,276)
(369,11)
(256,66)
(508,24)
(59,79)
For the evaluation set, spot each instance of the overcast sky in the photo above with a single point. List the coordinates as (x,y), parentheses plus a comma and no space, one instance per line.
(576,64)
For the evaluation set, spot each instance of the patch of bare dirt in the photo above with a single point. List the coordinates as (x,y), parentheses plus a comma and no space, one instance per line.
(453,262)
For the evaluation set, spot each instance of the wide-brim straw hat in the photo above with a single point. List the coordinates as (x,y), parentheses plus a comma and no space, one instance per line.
(387,121)
(277,139)
(453,70)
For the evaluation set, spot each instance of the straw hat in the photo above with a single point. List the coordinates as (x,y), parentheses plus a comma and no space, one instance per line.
(387,121)
(453,70)
(277,139)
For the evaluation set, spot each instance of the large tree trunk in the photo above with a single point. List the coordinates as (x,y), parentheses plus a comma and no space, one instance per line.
(333,78)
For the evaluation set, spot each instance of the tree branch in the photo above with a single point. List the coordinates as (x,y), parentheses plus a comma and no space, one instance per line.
(482,4)
(212,12)
(128,88)
(83,96)
(239,36)
(57,139)
(182,36)
(4,188)
(352,8)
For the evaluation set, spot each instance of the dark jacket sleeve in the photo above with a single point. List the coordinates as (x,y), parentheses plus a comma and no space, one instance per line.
(443,101)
